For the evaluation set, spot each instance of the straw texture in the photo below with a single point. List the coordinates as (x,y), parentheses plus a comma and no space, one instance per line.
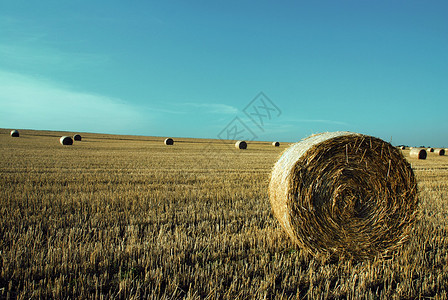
(440,152)
(241,145)
(419,153)
(344,194)
(66,140)
(169,141)
(15,133)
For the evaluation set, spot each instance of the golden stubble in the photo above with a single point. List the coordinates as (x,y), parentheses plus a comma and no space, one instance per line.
(128,217)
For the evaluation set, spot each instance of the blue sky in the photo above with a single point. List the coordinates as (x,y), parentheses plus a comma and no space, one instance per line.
(195,68)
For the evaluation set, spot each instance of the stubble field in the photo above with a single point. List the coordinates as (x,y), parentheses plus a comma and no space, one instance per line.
(128,217)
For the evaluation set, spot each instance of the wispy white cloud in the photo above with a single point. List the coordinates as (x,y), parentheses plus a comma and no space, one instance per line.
(214,108)
(32,102)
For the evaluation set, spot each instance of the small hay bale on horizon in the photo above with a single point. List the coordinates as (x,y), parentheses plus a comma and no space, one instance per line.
(430,149)
(169,141)
(276,144)
(403,147)
(66,140)
(14,133)
(241,145)
(440,152)
(419,153)
(344,194)
(77,137)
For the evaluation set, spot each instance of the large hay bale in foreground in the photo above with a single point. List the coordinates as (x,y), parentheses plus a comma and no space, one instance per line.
(77,137)
(66,140)
(276,144)
(241,145)
(440,152)
(419,153)
(169,141)
(343,193)
(15,133)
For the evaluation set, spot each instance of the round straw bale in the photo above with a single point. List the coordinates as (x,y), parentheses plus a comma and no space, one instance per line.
(440,152)
(66,140)
(241,145)
(77,137)
(344,194)
(15,133)
(430,149)
(419,153)
(275,144)
(169,141)
(403,147)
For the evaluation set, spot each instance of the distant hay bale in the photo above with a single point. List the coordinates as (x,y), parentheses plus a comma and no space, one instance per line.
(15,133)
(440,152)
(419,153)
(344,193)
(66,140)
(241,145)
(430,149)
(276,144)
(403,147)
(77,137)
(169,141)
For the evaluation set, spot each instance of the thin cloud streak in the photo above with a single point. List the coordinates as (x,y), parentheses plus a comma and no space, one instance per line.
(214,108)
(30,102)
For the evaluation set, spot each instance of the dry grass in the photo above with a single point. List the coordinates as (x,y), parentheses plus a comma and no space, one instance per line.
(128,217)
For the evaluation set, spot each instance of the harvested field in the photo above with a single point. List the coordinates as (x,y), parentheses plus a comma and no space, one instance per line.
(128,217)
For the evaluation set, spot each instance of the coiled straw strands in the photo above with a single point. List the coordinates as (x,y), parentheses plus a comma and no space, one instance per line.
(344,194)
(419,153)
